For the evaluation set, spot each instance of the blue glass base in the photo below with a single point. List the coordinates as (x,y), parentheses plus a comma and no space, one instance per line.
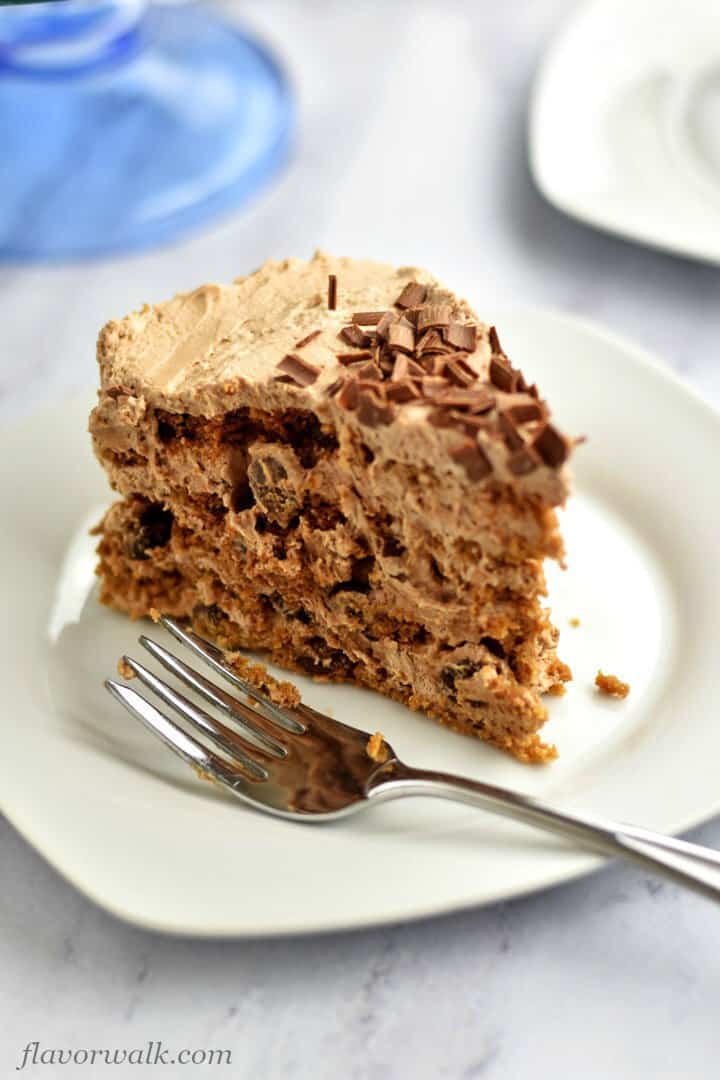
(188,123)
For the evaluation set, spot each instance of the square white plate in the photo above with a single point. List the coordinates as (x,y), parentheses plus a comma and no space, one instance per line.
(624,126)
(139,833)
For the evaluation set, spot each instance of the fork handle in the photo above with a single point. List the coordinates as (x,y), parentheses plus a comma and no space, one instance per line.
(692,865)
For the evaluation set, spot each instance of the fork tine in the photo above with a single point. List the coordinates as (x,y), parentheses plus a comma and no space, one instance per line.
(229,741)
(246,717)
(213,656)
(191,750)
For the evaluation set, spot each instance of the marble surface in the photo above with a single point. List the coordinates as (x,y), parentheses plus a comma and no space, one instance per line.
(615,975)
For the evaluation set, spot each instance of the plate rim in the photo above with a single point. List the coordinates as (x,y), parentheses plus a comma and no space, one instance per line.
(579,863)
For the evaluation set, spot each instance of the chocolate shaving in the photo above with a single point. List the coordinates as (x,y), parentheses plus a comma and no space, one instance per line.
(501,375)
(401,392)
(495,345)
(306,340)
(552,447)
(348,396)
(369,371)
(335,386)
(384,325)
(353,335)
(523,461)
(471,458)
(524,412)
(513,439)
(434,365)
(461,336)
(471,423)
(332,292)
(412,295)
(474,400)
(373,409)
(421,355)
(401,337)
(460,372)
(433,315)
(353,357)
(405,366)
(386,360)
(300,371)
(432,342)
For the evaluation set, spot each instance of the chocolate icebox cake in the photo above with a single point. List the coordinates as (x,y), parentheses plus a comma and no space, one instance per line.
(334,462)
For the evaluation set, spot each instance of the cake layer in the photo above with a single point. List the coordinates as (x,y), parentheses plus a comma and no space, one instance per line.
(149,561)
(274,463)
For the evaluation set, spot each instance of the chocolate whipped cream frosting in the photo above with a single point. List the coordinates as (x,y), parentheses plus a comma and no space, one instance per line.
(388,351)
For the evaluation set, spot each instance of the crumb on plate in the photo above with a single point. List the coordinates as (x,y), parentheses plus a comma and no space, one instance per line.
(574,621)
(124,670)
(281,693)
(377,749)
(611,685)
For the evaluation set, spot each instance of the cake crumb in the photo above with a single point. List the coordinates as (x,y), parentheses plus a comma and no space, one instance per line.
(284,693)
(557,689)
(574,621)
(611,685)
(155,615)
(377,749)
(124,670)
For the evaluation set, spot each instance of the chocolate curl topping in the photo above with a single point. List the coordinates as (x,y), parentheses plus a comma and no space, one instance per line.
(401,337)
(432,342)
(461,336)
(472,400)
(412,295)
(373,409)
(460,372)
(300,371)
(552,447)
(524,412)
(353,335)
(501,375)
(384,324)
(368,318)
(346,358)
(369,372)
(332,292)
(306,340)
(404,367)
(348,395)
(512,437)
(420,355)
(433,315)
(407,390)
(495,345)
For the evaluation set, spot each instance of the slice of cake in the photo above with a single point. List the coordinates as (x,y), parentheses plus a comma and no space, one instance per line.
(335,462)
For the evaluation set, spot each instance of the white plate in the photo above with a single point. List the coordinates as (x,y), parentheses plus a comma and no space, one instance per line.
(624,128)
(140,834)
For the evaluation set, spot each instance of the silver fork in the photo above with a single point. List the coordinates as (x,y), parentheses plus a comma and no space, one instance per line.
(301,765)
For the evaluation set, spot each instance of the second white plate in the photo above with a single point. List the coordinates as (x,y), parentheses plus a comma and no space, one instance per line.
(624,125)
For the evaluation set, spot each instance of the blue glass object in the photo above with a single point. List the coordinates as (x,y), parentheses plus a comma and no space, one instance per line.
(123,127)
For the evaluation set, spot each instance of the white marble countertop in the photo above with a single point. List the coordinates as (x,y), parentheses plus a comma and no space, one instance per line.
(615,975)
